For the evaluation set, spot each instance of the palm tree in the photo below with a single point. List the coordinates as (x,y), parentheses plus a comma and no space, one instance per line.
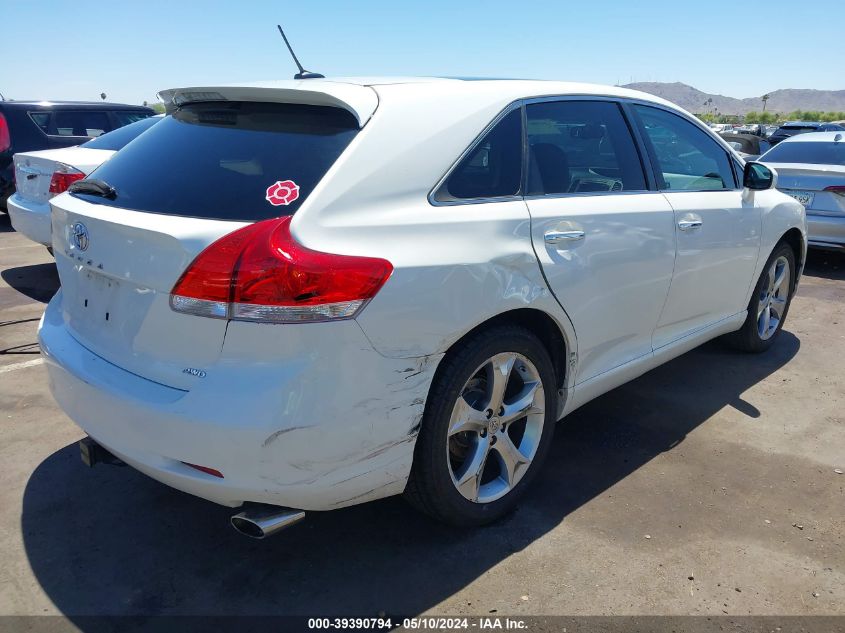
(764,98)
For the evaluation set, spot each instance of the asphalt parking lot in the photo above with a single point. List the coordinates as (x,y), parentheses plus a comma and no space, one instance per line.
(707,486)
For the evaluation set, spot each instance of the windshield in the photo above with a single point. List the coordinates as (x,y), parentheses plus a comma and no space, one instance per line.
(816,153)
(228,160)
(122,136)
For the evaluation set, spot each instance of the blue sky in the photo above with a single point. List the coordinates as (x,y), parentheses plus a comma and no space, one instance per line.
(76,49)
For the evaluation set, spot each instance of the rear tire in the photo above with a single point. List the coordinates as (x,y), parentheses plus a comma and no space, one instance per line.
(487,428)
(769,303)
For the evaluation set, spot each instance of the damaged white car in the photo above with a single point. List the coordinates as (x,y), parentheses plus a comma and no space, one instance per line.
(303,295)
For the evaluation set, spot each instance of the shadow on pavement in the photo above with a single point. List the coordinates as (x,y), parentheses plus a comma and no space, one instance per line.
(37,281)
(825,264)
(110,541)
(5,223)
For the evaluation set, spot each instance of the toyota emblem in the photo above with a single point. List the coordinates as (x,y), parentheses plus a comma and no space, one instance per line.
(79,235)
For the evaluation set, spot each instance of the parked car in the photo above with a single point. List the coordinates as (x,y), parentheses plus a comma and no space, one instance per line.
(792,128)
(311,294)
(811,169)
(26,126)
(749,146)
(42,175)
(750,128)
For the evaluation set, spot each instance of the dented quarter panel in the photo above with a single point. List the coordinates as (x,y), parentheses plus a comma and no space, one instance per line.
(328,421)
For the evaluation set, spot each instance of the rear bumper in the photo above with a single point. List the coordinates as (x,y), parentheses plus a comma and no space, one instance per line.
(30,218)
(825,231)
(305,433)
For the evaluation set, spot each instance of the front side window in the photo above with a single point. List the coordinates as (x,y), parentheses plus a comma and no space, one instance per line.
(686,158)
(579,147)
(492,168)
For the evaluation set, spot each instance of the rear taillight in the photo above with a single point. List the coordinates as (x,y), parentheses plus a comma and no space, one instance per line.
(5,137)
(837,189)
(260,273)
(64,177)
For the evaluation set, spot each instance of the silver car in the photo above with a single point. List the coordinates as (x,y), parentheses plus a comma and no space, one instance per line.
(811,169)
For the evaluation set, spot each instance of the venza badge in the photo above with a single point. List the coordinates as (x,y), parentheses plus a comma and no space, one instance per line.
(79,236)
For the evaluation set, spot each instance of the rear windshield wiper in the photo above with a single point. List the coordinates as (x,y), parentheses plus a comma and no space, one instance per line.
(94,187)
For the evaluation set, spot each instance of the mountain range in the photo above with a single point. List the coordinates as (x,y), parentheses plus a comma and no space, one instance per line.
(782,101)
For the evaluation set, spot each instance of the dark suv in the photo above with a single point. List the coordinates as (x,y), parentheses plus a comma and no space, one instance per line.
(791,128)
(31,125)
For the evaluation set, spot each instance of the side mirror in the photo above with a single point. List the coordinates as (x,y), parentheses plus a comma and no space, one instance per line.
(758,177)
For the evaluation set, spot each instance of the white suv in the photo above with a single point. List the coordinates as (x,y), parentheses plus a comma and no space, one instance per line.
(305,295)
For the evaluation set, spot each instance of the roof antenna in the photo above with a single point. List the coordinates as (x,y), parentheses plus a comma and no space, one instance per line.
(302,74)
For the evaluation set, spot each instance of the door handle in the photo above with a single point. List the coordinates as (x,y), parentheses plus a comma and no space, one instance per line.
(557,237)
(688,225)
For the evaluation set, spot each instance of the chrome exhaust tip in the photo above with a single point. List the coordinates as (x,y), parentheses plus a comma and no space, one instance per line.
(260,521)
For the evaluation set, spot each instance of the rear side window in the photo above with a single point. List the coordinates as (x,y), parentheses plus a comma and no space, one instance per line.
(120,137)
(79,123)
(492,168)
(41,119)
(579,147)
(686,157)
(229,161)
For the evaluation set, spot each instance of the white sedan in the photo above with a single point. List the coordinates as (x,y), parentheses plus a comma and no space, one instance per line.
(40,175)
(303,295)
(811,169)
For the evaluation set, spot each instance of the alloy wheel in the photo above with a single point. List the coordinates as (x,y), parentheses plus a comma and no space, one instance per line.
(773,298)
(495,427)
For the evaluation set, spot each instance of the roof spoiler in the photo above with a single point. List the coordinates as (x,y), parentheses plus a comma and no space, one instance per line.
(359,100)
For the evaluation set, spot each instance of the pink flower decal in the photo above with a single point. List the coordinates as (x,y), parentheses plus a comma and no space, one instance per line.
(282,192)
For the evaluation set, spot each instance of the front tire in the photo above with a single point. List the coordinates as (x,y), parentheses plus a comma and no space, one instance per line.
(769,303)
(487,428)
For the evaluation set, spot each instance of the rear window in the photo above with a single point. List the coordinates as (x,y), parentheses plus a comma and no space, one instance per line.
(229,161)
(816,153)
(120,137)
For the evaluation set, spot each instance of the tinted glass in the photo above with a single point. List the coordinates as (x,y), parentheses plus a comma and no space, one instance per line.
(41,119)
(494,166)
(581,146)
(118,138)
(124,117)
(817,153)
(687,158)
(223,160)
(79,123)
